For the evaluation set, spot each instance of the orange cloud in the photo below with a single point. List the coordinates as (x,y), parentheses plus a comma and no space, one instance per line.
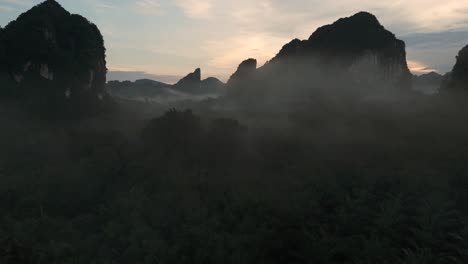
(417,67)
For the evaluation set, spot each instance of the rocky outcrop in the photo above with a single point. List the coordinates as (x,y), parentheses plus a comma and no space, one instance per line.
(189,83)
(359,45)
(194,85)
(52,53)
(457,80)
(245,70)
(242,81)
(356,52)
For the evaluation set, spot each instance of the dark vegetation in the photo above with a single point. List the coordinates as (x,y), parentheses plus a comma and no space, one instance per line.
(336,177)
(373,185)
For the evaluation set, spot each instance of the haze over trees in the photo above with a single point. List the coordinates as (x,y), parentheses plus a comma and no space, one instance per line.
(325,154)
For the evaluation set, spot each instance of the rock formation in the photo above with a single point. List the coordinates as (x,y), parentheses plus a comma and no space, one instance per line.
(3,71)
(356,52)
(189,83)
(359,45)
(212,85)
(245,70)
(457,80)
(52,53)
(242,81)
(194,85)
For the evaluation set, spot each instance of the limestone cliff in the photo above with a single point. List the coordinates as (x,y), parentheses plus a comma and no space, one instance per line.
(354,54)
(457,80)
(52,53)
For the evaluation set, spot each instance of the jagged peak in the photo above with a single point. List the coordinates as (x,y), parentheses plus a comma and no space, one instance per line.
(190,78)
(248,63)
(365,16)
(50,5)
(360,24)
(246,67)
(49,8)
(197,73)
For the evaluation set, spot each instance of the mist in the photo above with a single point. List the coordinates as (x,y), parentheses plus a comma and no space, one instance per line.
(331,152)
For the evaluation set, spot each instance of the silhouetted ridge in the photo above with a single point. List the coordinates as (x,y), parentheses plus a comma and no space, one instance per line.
(242,82)
(354,54)
(245,69)
(189,87)
(2,52)
(458,78)
(349,38)
(361,31)
(295,47)
(428,83)
(192,80)
(48,8)
(56,55)
(212,85)
(357,33)
(192,84)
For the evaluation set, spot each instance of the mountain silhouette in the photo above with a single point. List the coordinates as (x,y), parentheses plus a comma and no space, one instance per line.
(54,54)
(244,79)
(143,88)
(457,79)
(212,85)
(3,70)
(356,51)
(244,70)
(193,84)
(428,83)
(190,85)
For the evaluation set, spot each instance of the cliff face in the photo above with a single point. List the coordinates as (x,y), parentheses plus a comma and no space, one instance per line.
(2,54)
(458,78)
(53,53)
(358,45)
(242,82)
(356,52)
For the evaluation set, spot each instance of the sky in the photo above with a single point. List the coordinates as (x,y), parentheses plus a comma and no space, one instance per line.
(166,39)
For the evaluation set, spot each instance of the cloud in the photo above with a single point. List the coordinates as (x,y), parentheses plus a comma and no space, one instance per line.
(227,54)
(23,3)
(437,49)
(199,9)
(105,6)
(418,68)
(438,40)
(5,8)
(148,7)
(251,24)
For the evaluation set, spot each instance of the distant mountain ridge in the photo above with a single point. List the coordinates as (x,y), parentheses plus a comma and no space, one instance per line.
(190,85)
(428,83)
